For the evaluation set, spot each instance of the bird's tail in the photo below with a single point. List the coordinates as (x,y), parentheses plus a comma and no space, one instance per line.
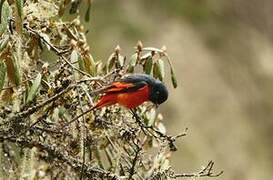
(106,100)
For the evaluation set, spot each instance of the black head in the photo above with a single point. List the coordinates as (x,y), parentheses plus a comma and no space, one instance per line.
(158,93)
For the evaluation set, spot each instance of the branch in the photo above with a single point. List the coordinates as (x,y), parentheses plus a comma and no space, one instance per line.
(62,156)
(40,105)
(132,169)
(205,172)
(159,135)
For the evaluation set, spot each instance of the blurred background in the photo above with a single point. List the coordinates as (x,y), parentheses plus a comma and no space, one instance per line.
(223,56)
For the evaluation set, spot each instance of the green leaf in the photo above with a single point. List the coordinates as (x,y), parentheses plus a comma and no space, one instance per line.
(173,77)
(174,81)
(4,42)
(19,16)
(159,69)
(160,126)
(34,88)
(47,39)
(87,13)
(90,64)
(26,92)
(132,63)
(110,62)
(74,56)
(19,5)
(5,14)
(148,65)
(99,67)
(74,6)
(3,74)
(16,71)
(121,61)
(62,111)
(81,63)
(150,117)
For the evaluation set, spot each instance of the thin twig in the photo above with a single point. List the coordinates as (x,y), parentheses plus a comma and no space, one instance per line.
(205,172)
(132,169)
(170,139)
(77,117)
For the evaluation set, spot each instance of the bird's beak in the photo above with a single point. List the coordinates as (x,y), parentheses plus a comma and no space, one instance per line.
(156,106)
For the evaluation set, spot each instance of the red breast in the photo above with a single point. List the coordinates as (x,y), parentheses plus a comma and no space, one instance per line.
(133,99)
(127,99)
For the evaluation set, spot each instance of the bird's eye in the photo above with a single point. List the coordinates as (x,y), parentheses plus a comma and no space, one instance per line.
(157,92)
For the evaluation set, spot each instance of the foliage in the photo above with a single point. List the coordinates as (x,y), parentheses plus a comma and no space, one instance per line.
(49,81)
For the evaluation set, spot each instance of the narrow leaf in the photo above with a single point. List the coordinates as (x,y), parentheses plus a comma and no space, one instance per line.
(26,92)
(110,62)
(3,73)
(34,88)
(132,63)
(151,116)
(74,6)
(161,128)
(81,64)
(121,61)
(148,65)
(1,5)
(174,81)
(99,67)
(19,16)
(16,62)
(19,5)
(16,71)
(159,67)
(173,77)
(4,42)
(89,64)
(74,56)
(5,14)
(47,39)
(87,13)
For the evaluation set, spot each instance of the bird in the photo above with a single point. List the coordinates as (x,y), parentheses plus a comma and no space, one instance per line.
(132,91)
